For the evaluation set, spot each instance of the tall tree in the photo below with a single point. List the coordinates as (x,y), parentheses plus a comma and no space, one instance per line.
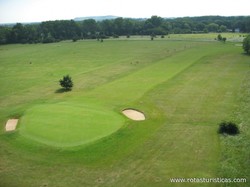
(4,32)
(89,27)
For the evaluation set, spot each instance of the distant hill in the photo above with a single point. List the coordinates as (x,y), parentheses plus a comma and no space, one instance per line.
(97,18)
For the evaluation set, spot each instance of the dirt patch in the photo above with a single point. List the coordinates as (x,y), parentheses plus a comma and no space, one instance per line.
(11,125)
(134,114)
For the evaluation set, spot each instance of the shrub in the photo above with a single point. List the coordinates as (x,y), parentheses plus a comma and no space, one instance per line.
(246,44)
(115,36)
(228,128)
(74,39)
(219,37)
(49,40)
(66,82)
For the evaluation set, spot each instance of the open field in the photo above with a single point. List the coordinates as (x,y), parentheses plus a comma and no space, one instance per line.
(232,37)
(81,138)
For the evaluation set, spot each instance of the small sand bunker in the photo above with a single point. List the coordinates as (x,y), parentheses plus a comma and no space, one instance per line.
(11,124)
(134,114)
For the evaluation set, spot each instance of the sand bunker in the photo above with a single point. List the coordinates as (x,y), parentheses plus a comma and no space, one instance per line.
(134,114)
(11,124)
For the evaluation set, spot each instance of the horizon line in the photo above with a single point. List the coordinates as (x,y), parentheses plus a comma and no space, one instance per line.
(92,17)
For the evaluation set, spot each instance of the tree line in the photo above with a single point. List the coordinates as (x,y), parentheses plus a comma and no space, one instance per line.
(54,31)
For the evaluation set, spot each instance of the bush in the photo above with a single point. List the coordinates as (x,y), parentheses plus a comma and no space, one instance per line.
(74,39)
(49,40)
(246,44)
(66,82)
(229,128)
(219,37)
(115,36)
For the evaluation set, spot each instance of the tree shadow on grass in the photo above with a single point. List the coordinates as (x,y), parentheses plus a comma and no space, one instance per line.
(62,90)
(246,54)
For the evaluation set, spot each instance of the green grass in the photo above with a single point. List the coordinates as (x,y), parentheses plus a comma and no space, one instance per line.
(185,88)
(68,124)
(233,37)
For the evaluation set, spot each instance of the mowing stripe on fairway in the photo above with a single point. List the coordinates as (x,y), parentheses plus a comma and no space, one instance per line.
(133,86)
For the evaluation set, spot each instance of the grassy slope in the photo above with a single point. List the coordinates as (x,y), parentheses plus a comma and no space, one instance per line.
(184,102)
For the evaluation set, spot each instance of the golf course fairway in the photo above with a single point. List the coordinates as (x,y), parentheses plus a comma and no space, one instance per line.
(184,88)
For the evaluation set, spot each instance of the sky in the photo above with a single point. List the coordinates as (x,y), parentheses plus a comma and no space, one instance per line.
(12,11)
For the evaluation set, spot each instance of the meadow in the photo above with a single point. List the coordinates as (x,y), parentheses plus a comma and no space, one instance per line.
(185,87)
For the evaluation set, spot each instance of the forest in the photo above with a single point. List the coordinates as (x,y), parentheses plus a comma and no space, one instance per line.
(55,31)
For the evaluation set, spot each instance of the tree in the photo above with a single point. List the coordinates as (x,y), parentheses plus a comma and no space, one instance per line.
(17,34)
(219,37)
(212,27)
(90,26)
(4,32)
(66,82)
(55,31)
(229,128)
(246,44)
(155,21)
(222,28)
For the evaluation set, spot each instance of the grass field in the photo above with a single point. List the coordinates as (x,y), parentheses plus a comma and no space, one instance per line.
(80,138)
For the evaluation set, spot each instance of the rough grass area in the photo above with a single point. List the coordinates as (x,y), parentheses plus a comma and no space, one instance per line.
(235,150)
(185,88)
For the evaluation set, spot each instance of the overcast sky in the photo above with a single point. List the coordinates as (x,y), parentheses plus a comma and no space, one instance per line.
(12,11)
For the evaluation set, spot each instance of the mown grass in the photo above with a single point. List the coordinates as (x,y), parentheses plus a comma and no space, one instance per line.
(68,124)
(184,88)
(233,37)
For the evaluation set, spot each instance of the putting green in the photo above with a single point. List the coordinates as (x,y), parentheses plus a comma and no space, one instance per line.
(69,124)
